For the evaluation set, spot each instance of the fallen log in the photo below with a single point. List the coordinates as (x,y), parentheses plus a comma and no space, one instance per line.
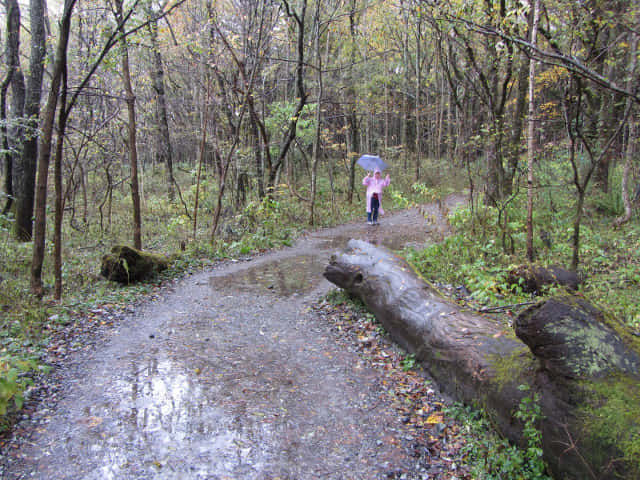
(128,265)
(532,278)
(479,361)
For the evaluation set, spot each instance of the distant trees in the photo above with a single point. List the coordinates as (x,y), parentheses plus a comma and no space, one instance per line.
(229,92)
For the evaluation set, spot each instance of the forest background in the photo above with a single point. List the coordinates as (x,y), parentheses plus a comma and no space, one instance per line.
(208,129)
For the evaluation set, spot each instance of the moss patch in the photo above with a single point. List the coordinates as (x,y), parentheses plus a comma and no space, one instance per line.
(126,265)
(610,420)
(512,367)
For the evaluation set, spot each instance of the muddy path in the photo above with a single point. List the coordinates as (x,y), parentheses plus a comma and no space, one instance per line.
(229,375)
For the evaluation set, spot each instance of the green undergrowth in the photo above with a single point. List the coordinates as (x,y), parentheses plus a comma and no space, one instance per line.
(481,252)
(492,457)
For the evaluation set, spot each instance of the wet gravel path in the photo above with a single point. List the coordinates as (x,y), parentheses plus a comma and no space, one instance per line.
(231,374)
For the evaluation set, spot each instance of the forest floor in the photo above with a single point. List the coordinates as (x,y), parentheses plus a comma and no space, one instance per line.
(242,371)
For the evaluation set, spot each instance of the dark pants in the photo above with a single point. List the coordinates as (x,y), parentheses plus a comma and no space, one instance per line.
(373,214)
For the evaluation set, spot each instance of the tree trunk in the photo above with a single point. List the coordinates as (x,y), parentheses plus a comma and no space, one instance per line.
(15,79)
(353,145)
(290,133)
(316,138)
(404,127)
(7,157)
(418,106)
(57,174)
(517,123)
(201,152)
(577,221)
(44,150)
(29,154)
(626,173)
(632,132)
(165,151)
(259,160)
(131,113)
(530,133)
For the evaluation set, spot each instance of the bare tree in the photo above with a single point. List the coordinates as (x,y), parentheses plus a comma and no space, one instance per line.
(29,152)
(163,144)
(530,133)
(131,128)
(14,79)
(44,149)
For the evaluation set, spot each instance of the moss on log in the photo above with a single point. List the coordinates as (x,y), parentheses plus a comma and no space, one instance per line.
(128,265)
(590,370)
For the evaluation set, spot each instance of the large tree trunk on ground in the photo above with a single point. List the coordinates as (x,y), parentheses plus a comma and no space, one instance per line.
(477,360)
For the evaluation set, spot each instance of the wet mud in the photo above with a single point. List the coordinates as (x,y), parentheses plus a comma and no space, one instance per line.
(230,375)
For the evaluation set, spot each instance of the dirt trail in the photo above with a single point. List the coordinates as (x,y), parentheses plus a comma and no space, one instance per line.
(231,375)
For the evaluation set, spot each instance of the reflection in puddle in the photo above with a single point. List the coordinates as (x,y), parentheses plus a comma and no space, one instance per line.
(295,275)
(300,274)
(385,238)
(154,411)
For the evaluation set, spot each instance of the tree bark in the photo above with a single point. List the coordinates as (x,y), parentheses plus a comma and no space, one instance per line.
(44,151)
(33,95)
(353,145)
(418,105)
(315,155)
(15,80)
(57,174)
(131,114)
(165,151)
(530,133)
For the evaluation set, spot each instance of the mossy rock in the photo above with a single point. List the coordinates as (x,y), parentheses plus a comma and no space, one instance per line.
(128,265)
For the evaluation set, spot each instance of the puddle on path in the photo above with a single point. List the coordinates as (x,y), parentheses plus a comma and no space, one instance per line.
(385,238)
(283,277)
(157,421)
(300,274)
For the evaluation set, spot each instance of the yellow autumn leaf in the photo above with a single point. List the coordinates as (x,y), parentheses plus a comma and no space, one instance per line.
(435,418)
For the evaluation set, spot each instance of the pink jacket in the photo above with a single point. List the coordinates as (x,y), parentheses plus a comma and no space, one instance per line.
(375,186)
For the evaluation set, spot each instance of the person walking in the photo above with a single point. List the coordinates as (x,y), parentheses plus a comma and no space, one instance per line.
(375,184)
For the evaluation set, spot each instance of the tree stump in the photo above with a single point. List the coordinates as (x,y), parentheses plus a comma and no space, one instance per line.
(128,265)
(479,361)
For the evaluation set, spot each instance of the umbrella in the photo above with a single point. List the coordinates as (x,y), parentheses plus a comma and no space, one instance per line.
(371,162)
